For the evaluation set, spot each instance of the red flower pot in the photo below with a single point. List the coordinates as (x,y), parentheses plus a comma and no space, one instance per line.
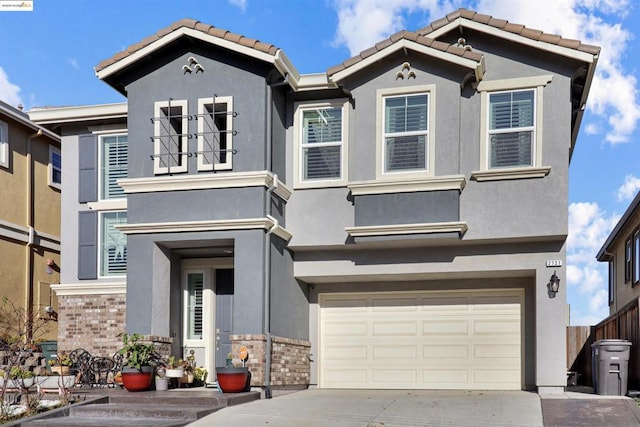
(233,380)
(135,380)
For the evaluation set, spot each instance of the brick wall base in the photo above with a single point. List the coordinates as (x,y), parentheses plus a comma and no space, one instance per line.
(290,363)
(91,322)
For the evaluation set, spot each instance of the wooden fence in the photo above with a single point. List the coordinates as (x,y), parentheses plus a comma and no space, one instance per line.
(625,324)
(579,340)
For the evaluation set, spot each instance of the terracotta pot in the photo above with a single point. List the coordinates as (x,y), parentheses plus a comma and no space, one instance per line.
(135,380)
(233,380)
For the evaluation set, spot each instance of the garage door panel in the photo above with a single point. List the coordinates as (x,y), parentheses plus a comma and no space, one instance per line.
(445,327)
(428,340)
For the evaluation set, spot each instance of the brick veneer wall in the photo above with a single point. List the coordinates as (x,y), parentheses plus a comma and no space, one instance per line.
(290,363)
(91,322)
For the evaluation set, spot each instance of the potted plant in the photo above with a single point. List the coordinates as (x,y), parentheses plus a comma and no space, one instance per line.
(60,364)
(175,368)
(162,382)
(200,375)
(138,361)
(21,378)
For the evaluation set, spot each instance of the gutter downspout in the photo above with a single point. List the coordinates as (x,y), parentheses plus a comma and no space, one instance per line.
(29,261)
(267,248)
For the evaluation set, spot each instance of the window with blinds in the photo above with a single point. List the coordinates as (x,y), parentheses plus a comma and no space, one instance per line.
(322,142)
(113,244)
(55,167)
(4,145)
(511,128)
(195,289)
(113,166)
(406,132)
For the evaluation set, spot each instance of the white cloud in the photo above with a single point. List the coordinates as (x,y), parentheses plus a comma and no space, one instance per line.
(74,63)
(614,96)
(629,189)
(241,4)
(363,23)
(589,227)
(9,92)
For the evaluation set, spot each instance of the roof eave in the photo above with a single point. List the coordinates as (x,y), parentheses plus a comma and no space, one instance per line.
(58,115)
(476,66)
(603,254)
(583,101)
(26,121)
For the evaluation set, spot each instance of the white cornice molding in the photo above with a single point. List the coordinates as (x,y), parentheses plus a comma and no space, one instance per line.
(403,44)
(268,223)
(399,229)
(90,288)
(453,182)
(205,181)
(108,205)
(513,84)
(77,114)
(511,173)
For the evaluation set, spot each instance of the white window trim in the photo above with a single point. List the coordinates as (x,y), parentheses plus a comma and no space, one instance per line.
(216,165)
(101,136)
(536,170)
(207,299)
(381,94)
(298,162)
(4,145)
(54,150)
(99,240)
(157,169)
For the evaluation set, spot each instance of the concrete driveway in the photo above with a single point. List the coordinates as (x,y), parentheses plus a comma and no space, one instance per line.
(377,408)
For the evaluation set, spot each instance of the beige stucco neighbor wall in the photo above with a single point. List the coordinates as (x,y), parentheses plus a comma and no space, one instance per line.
(91,322)
(625,292)
(290,363)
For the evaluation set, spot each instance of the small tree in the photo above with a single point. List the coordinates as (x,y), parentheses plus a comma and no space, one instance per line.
(20,328)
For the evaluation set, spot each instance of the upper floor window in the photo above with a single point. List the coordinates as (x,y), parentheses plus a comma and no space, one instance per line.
(636,258)
(113,244)
(55,167)
(215,133)
(4,144)
(320,144)
(628,253)
(171,127)
(612,282)
(113,165)
(511,128)
(405,125)
(406,132)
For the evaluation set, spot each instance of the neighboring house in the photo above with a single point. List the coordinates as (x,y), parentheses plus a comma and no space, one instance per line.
(393,222)
(621,251)
(30,183)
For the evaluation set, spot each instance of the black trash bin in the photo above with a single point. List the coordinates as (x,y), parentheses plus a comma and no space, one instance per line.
(610,360)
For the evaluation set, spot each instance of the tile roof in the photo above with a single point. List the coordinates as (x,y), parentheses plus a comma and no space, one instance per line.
(195,25)
(407,35)
(511,28)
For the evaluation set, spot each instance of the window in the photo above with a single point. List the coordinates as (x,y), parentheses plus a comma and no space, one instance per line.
(611,281)
(511,128)
(636,257)
(55,167)
(215,133)
(113,244)
(170,137)
(320,143)
(627,260)
(195,290)
(4,145)
(113,165)
(405,132)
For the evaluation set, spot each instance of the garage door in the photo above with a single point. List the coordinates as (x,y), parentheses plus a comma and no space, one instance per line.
(426,340)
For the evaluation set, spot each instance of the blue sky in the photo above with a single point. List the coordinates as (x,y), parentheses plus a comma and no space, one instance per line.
(47,58)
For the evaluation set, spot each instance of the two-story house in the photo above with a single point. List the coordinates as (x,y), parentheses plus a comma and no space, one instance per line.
(393,222)
(30,184)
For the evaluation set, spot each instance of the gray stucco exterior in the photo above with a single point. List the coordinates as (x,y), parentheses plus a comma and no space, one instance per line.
(456,226)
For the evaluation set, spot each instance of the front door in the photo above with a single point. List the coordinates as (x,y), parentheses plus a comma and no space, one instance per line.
(207,311)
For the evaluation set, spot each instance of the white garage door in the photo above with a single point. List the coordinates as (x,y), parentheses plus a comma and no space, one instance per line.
(426,340)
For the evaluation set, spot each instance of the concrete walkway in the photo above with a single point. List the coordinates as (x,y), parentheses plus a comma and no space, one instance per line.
(377,408)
